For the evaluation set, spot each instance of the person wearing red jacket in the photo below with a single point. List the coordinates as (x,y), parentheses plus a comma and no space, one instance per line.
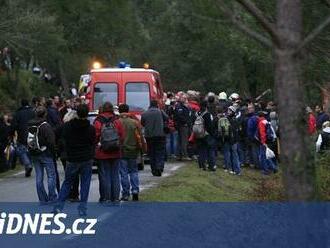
(108,162)
(311,121)
(267,165)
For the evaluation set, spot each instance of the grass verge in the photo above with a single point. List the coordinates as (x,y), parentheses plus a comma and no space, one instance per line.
(190,184)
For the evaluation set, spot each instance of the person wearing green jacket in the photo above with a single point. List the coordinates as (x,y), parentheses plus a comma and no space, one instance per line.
(130,151)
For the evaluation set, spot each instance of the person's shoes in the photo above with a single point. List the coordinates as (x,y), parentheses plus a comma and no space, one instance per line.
(225,170)
(74,199)
(82,212)
(56,211)
(124,198)
(135,197)
(28,172)
(275,171)
(231,172)
(154,173)
(186,159)
(212,169)
(158,173)
(237,174)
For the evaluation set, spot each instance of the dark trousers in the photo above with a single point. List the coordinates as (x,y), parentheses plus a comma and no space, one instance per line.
(74,191)
(156,152)
(84,169)
(109,180)
(183,137)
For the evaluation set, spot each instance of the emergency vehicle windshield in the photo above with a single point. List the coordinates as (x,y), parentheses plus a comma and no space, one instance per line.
(137,96)
(105,92)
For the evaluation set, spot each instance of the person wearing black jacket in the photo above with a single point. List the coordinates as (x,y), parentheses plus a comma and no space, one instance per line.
(182,124)
(20,124)
(207,145)
(234,139)
(42,158)
(79,139)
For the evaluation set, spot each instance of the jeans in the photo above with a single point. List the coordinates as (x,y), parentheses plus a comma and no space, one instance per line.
(74,192)
(109,179)
(206,153)
(236,166)
(41,162)
(24,157)
(267,165)
(242,152)
(129,174)
(227,155)
(72,170)
(230,153)
(183,137)
(156,152)
(171,143)
(253,152)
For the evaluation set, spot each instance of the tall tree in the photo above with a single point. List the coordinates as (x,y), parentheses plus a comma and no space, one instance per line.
(285,38)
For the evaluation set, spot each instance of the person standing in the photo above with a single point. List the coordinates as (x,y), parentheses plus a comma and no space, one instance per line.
(79,139)
(264,132)
(20,124)
(109,139)
(321,117)
(182,123)
(153,121)
(311,121)
(131,148)
(205,135)
(41,146)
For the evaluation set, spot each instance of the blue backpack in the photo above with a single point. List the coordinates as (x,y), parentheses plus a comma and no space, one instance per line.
(270,133)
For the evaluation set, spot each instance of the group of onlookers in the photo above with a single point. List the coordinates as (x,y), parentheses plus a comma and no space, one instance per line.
(184,126)
(244,131)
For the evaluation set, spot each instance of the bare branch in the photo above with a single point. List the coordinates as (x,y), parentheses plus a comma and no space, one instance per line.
(312,35)
(241,26)
(260,17)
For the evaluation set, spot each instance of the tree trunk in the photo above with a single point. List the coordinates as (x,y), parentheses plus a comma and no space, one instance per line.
(296,154)
(64,81)
(326,97)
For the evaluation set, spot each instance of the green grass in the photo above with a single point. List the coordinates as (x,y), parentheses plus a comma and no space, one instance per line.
(190,184)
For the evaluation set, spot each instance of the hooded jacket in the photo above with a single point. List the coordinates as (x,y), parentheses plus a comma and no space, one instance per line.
(46,135)
(20,123)
(79,139)
(99,154)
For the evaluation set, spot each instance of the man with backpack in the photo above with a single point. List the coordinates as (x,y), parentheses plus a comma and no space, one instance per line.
(205,136)
(153,122)
(41,146)
(109,138)
(265,134)
(79,139)
(20,124)
(228,132)
(131,148)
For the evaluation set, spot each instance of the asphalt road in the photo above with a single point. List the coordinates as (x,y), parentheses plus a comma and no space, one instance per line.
(17,188)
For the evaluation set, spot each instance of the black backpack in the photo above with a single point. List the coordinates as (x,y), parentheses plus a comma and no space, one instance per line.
(110,140)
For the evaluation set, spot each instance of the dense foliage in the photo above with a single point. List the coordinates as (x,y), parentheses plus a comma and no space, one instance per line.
(191,43)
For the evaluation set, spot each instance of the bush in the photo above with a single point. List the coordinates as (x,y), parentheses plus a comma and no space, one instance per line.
(29,85)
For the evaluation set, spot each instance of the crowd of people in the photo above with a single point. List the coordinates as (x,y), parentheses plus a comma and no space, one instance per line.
(184,126)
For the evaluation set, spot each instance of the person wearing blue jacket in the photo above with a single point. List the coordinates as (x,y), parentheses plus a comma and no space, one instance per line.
(252,143)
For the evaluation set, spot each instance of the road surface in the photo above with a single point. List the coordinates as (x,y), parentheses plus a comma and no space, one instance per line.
(17,188)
